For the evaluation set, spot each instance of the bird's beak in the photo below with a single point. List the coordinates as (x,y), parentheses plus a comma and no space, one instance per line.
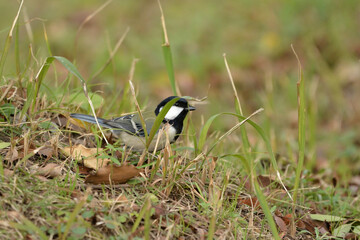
(191,108)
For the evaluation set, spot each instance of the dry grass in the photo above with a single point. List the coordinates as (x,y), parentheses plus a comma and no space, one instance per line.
(216,181)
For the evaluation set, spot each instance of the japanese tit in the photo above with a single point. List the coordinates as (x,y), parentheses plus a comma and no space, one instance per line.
(130,131)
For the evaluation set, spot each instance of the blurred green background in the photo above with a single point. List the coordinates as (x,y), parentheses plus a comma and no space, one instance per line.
(256,37)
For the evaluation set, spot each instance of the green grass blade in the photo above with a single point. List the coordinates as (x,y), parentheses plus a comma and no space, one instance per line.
(72,217)
(8,40)
(169,66)
(267,142)
(4,54)
(146,208)
(159,120)
(70,67)
(242,158)
(147,221)
(301,129)
(17,51)
(238,109)
(30,227)
(266,209)
(205,129)
(232,130)
(167,53)
(259,130)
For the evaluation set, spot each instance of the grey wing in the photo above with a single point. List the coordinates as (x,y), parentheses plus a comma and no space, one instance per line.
(120,125)
(131,123)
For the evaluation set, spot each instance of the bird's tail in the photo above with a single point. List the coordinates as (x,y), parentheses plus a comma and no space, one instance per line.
(88,118)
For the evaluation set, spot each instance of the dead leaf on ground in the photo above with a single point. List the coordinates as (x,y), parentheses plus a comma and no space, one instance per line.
(85,170)
(13,215)
(8,173)
(60,120)
(160,210)
(46,151)
(89,155)
(264,181)
(113,174)
(50,170)
(201,233)
(5,224)
(354,185)
(11,93)
(310,225)
(251,202)
(351,236)
(122,198)
(287,218)
(12,155)
(42,178)
(280,223)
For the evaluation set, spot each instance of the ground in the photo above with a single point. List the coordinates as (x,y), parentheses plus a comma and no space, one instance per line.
(290,170)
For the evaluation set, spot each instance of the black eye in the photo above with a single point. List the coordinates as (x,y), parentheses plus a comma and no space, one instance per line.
(176,104)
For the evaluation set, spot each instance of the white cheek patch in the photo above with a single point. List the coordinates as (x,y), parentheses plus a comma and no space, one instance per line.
(173,112)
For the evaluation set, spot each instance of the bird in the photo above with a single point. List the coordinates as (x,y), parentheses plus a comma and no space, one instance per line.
(129,129)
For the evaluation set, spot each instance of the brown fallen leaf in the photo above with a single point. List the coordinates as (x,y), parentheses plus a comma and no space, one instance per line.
(46,151)
(113,174)
(12,155)
(159,211)
(201,233)
(5,224)
(42,178)
(60,120)
(251,202)
(96,163)
(122,198)
(351,236)
(355,180)
(280,223)
(13,215)
(85,170)
(266,181)
(50,170)
(310,225)
(89,154)
(287,218)
(8,173)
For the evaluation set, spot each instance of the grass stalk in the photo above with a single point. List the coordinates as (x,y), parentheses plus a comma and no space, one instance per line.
(266,209)
(8,40)
(245,140)
(167,53)
(301,129)
(312,120)
(72,218)
(17,51)
(147,220)
(146,208)
(30,227)
(301,137)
